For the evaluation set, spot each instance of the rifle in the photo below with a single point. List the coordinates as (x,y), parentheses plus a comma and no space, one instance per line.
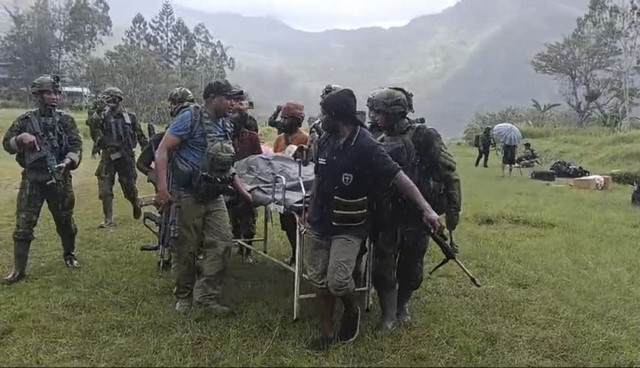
(44,153)
(450,254)
(163,225)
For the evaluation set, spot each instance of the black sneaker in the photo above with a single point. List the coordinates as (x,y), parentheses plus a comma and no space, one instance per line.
(321,343)
(350,326)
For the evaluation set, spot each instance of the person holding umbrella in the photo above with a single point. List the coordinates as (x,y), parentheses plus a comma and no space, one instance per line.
(510,137)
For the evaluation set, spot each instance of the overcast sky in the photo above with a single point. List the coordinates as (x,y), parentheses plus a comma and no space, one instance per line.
(318,15)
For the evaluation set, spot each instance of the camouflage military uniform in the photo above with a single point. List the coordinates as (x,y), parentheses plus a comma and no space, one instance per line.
(116,134)
(60,151)
(97,107)
(401,240)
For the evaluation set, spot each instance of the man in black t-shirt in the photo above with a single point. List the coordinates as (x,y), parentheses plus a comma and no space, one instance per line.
(349,165)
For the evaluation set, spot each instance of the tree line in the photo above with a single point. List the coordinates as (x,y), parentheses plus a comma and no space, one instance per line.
(598,64)
(154,56)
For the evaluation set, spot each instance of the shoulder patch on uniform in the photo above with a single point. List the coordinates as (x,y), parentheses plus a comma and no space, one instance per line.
(25,115)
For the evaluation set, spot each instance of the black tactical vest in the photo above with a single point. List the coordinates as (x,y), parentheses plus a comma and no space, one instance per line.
(402,150)
(118,130)
(53,144)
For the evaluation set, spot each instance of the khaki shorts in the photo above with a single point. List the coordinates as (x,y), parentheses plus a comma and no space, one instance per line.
(330,261)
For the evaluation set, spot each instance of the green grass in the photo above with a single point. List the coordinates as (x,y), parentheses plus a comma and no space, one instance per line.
(559,268)
(598,149)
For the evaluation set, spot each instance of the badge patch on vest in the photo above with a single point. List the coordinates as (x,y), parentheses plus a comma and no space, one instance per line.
(347,179)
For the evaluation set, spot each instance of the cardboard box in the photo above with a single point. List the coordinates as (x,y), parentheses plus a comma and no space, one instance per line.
(591,182)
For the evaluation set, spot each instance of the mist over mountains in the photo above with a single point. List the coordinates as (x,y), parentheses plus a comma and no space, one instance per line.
(471,57)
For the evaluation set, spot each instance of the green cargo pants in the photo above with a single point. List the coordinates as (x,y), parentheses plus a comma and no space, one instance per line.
(124,167)
(399,258)
(201,251)
(60,200)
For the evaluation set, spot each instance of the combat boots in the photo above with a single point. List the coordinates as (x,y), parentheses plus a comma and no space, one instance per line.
(388,305)
(404,315)
(107,209)
(20,257)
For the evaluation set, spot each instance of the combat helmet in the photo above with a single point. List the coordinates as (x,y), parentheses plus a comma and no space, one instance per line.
(180,95)
(407,94)
(46,83)
(390,101)
(113,92)
(371,96)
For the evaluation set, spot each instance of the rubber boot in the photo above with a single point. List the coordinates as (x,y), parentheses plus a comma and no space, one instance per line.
(107,209)
(20,257)
(137,210)
(404,315)
(388,306)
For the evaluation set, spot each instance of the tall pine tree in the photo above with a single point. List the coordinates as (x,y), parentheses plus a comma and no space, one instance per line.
(185,47)
(138,33)
(162,36)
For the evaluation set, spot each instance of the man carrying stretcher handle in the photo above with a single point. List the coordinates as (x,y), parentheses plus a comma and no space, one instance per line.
(349,165)
(292,118)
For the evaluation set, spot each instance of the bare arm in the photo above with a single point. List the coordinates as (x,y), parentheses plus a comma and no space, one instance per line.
(140,137)
(303,220)
(239,188)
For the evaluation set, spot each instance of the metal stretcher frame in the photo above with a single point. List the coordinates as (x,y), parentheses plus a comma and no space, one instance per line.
(298,269)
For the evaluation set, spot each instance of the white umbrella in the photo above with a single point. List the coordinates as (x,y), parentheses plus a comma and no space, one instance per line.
(508,134)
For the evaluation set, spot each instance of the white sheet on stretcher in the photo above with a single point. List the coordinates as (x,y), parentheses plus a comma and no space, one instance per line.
(256,173)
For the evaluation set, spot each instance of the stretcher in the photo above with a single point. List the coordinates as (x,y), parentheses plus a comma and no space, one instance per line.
(288,193)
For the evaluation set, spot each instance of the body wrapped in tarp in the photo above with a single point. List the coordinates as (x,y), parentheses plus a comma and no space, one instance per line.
(257,175)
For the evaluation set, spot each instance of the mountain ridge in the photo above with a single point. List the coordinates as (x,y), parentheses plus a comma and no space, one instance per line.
(473,56)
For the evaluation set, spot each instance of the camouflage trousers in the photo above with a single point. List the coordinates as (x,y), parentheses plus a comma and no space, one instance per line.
(243,217)
(127,176)
(60,200)
(399,259)
(202,248)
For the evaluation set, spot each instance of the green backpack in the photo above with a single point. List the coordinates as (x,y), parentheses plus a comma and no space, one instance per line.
(215,175)
(436,175)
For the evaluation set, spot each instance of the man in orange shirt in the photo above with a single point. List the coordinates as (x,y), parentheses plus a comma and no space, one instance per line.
(292,118)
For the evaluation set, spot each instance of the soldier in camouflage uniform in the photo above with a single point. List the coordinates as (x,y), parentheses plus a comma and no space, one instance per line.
(401,239)
(48,146)
(116,131)
(374,127)
(178,96)
(97,107)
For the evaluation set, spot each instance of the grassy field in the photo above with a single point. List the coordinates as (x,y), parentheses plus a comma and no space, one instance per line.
(559,268)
